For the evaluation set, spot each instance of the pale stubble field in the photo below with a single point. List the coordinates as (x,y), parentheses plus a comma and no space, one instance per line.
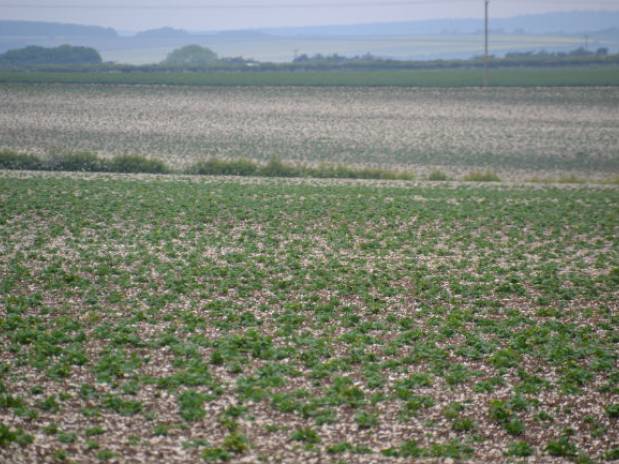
(516,132)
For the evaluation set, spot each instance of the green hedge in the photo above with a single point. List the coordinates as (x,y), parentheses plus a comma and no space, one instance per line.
(90,162)
(12,160)
(80,162)
(215,167)
(137,164)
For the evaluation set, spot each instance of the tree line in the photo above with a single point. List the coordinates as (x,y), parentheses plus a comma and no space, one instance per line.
(196,58)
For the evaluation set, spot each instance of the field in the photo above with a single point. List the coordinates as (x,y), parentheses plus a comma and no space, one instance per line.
(519,132)
(176,319)
(169,318)
(581,76)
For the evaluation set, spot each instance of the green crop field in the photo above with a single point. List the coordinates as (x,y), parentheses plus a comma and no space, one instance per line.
(514,77)
(177,319)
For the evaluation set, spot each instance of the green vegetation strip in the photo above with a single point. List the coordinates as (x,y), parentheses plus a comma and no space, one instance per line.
(243,167)
(89,162)
(213,320)
(512,77)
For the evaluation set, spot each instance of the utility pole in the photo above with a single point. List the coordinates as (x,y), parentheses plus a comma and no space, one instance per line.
(486,54)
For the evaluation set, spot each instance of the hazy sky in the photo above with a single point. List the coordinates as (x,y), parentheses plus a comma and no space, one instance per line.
(134,15)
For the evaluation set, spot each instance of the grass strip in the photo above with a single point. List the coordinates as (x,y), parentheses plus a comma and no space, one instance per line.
(90,162)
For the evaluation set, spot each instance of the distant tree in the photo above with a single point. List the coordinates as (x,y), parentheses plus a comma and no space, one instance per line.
(336,59)
(239,60)
(191,56)
(521,54)
(65,54)
(582,51)
(544,55)
(301,59)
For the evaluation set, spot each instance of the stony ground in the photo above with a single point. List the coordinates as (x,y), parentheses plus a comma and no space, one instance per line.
(512,130)
(165,319)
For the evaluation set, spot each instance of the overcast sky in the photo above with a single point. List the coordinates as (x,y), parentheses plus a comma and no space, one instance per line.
(135,15)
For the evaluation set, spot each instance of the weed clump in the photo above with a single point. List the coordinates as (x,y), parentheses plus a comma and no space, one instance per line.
(234,444)
(572,179)
(339,171)
(306,435)
(520,449)
(75,162)
(215,167)
(561,448)
(438,176)
(482,176)
(18,161)
(191,406)
(8,436)
(135,164)
(277,168)
(503,413)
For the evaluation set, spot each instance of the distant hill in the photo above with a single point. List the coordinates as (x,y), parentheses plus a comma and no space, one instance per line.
(420,40)
(163,33)
(568,23)
(42,29)
(243,35)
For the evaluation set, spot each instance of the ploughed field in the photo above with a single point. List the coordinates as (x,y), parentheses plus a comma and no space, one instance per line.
(169,319)
(509,130)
